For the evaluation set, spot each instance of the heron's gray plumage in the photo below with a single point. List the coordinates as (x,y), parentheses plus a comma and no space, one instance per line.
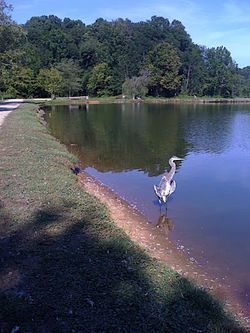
(167,185)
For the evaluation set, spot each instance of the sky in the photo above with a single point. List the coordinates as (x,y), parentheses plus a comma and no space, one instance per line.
(208,22)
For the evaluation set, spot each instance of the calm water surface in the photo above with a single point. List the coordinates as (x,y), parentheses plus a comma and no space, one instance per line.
(127,147)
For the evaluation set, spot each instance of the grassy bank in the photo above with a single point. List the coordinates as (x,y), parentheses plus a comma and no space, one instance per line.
(65,267)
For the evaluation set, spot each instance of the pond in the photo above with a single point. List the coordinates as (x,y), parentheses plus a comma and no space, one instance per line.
(127,147)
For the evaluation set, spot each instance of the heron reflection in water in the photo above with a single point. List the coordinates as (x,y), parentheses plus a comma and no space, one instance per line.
(167,185)
(164,223)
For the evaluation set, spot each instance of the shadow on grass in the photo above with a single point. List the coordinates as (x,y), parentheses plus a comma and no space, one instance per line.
(58,275)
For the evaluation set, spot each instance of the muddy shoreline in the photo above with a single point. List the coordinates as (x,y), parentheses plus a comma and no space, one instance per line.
(155,243)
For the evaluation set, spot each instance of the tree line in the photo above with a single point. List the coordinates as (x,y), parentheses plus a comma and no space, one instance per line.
(48,56)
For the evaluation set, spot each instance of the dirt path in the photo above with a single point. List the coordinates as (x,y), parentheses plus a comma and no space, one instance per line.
(8,106)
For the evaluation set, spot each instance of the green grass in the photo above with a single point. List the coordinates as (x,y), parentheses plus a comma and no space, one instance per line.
(65,266)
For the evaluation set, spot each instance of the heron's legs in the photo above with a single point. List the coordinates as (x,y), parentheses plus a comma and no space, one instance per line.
(163,204)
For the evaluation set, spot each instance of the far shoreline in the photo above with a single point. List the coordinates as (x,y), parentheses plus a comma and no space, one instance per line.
(79,100)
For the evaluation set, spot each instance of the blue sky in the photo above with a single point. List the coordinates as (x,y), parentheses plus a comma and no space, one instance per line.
(210,22)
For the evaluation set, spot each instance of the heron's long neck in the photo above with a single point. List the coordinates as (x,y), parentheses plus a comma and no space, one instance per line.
(172,170)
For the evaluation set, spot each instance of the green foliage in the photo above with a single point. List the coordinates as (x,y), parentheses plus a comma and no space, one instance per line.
(4,12)
(137,85)
(50,80)
(163,48)
(99,80)
(221,73)
(12,35)
(70,73)
(23,81)
(244,79)
(193,71)
(12,81)
(163,65)
(18,81)
(54,39)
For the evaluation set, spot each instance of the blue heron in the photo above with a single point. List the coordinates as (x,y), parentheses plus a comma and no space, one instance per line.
(167,185)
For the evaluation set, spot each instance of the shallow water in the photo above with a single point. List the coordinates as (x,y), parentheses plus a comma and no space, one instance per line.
(127,147)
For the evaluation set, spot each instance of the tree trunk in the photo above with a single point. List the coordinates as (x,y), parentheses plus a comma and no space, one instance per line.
(188,76)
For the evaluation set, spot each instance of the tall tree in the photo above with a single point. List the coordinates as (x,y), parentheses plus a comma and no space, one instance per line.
(193,71)
(221,72)
(70,72)
(99,80)
(12,36)
(244,79)
(50,80)
(163,65)
(137,85)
